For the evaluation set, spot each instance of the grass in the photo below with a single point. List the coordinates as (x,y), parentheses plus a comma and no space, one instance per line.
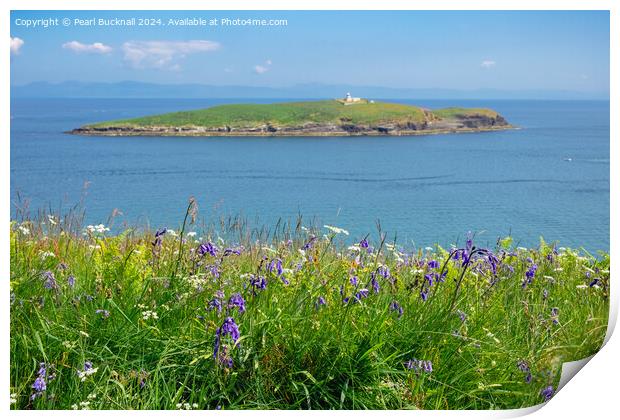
(475,327)
(289,114)
(464,112)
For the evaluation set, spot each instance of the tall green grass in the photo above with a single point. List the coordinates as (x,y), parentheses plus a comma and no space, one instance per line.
(292,351)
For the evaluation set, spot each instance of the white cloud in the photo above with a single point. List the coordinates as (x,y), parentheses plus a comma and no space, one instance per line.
(94,48)
(163,54)
(260,69)
(263,68)
(16,44)
(487,64)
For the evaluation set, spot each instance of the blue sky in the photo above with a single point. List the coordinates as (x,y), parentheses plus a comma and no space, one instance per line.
(415,49)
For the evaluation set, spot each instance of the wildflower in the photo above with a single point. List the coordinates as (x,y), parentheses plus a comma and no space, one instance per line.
(424,295)
(236,301)
(50,280)
(97,229)
(461,315)
(186,406)
(529,274)
(419,365)
(71,281)
(362,293)
(232,251)
(383,271)
(594,282)
(395,306)
(353,280)
(46,254)
(364,244)
(24,230)
(309,244)
(258,282)
(191,234)
(88,370)
(554,315)
(13,398)
(207,248)
(40,383)
(320,301)
(275,265)
(146,315)
(432,264)
(524,367)
(104,313)
(229,327)
(336,230)
(374,283)
(51,220)
(547,393)
(215,303)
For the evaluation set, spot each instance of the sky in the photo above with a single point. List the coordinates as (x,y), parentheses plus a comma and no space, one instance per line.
(550,50)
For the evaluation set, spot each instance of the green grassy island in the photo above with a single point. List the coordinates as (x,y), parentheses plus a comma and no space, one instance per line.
(339,117)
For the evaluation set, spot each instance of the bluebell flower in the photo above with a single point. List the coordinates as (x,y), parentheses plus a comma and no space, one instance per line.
(258,282)
(432,264)
(71,281)
(228,328)
(309,244)
(555,312)
(353,280)
(104,313)
(462,315)
(364,243)
(547,393)
(374,283)
(207,248)
(275,265)
(419,366)
(320,302)
(424,295)
(395,307)
(525,368)
(49,280)
(215,303)
(236,301)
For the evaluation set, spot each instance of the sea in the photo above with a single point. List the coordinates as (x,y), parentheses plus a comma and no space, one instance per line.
(549,178)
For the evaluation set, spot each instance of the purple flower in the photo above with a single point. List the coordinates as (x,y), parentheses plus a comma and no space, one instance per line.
(374,283)
(104,313)
(232,251)
(320,302)
(50,280)
(275,265)
(215,303)
(207,248)
(419,365)
(383,271)
(524,367)
(547,393)
(364,243)
(529,274)
(71,281)
(228,328)
(40,383)
(424,295)
(555,312)
(236,301)
(462,315)
(309,244)
(395,307)
(362,293)
(258,282)
(353,280)
(594,282)
(432,264)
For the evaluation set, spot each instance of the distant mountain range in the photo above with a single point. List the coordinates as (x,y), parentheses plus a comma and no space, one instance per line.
(131,89)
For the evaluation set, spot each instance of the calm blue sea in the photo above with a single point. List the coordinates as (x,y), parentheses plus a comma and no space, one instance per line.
(550,178)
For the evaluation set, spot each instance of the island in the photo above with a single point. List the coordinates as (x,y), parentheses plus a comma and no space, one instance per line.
(348,116)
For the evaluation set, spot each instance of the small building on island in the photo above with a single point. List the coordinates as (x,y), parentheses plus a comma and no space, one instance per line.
(350,100)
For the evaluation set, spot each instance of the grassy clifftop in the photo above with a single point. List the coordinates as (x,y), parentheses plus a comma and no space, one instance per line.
(285,114)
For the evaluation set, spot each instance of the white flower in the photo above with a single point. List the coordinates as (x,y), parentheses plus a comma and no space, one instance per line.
(429,248)
(46,254)
(171,232)
(83,374)
(336,230)
(187,406)
(191,234)
(24,230)
(51,220)
(100,228)
(146,315)
(354,248)
(13,398)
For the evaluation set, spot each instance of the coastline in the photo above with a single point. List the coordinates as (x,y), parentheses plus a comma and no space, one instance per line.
(201,132)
